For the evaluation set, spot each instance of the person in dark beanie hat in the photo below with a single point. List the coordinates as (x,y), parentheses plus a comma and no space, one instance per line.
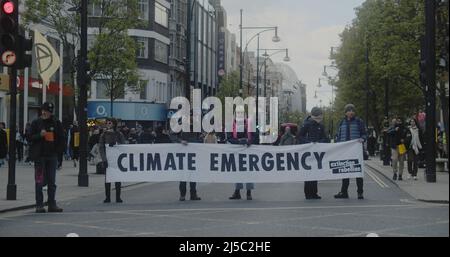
(351,128)
(349,107)
(312,131)
(47,142)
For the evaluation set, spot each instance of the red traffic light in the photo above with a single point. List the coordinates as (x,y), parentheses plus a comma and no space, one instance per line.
(8,7)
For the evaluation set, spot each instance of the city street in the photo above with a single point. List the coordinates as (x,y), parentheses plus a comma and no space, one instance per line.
(278,210)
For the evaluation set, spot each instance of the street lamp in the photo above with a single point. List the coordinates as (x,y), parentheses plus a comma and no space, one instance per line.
(275,39)
(267,56)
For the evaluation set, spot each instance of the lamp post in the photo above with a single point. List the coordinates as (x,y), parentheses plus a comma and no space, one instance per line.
(275,39)
(190,15)
(83,178)
(325,74)
(267,56)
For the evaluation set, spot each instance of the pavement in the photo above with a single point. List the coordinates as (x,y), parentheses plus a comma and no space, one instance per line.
(68,189)
(66,182)
(420,189)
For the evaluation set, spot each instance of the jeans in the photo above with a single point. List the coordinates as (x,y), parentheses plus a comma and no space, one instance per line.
(45,174)
(398,160)
(413,160)
(248,186)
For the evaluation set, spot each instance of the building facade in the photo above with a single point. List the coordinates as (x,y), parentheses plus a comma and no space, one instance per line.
(203,47)
(149,106)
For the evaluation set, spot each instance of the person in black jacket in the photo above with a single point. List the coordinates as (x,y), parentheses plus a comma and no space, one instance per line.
(312,131)
(47,141)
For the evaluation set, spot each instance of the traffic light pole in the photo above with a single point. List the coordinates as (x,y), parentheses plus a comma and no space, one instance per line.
(430,90)
(83,179)
(11,191)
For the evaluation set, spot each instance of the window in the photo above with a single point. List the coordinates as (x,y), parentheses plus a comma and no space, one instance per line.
(161,16)
(142,47)
(102,89)
(143,10)
(143,89)
(161,51)
(94,9)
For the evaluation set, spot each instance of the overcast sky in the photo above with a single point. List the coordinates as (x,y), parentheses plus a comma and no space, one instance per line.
(308,28)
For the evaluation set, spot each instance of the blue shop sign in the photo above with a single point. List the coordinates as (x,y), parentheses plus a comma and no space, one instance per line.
(128,111)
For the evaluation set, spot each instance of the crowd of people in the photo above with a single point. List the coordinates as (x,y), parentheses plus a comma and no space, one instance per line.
(46,143)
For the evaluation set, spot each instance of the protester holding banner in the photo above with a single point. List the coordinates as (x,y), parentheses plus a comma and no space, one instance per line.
(111,136)
(242,135)
(47,141)
(287,138)
(351,128)
(185,138)
(312,131)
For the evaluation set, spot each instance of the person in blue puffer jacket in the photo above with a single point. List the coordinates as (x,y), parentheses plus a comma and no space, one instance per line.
(351,128)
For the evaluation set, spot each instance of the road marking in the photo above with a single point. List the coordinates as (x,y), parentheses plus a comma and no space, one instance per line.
(377,179)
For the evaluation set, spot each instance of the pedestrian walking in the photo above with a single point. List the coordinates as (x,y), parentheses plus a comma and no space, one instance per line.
(111,136)
(397,134)
(47,141)
(3,143)
(413,142)
(351,128)
(75,143)
(312,131)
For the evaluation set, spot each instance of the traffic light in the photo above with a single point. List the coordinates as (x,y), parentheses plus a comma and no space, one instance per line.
(8,32)
(23,59)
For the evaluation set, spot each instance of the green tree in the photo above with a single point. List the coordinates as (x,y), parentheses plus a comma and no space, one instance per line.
(113,53)
(390,31)
(55,14)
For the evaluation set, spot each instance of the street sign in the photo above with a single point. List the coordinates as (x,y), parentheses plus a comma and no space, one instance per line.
(8,58)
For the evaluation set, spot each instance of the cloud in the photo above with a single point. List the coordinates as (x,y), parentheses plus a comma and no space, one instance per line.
(307,28)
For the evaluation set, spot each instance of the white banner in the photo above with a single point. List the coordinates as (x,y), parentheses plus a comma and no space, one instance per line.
(225,163)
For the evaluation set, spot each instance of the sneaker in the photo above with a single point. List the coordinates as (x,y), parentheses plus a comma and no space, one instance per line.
(195,198)
(408,177)
(107,200)
(182,198)
(40,209)
(119,200)
(395,176)
(249,197)
(313,197)
(360,196)
(415,177)
(400,177)
(341,195)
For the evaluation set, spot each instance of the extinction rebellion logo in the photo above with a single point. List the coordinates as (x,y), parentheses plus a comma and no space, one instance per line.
(345,166)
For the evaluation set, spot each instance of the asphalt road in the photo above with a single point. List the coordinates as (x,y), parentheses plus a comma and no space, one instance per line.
(278,210)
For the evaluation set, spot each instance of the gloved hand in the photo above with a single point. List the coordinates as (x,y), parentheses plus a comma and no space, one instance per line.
(112,144)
